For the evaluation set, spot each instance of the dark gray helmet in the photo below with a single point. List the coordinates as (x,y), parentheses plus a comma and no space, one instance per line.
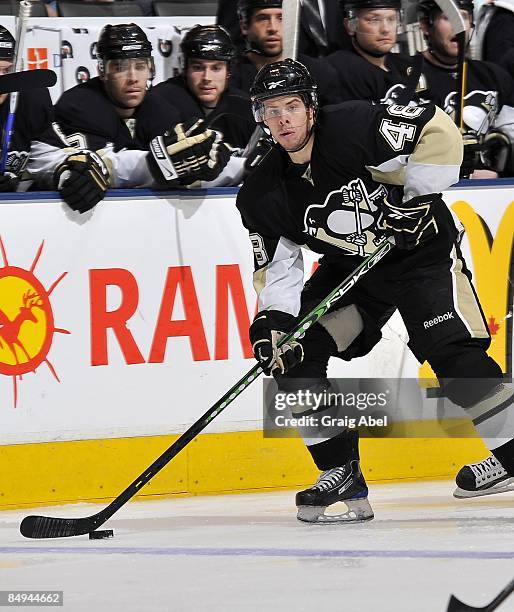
(282,78)
(211,42)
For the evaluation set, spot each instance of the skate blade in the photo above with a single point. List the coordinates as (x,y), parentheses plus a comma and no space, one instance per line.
(358,511)
(501,487)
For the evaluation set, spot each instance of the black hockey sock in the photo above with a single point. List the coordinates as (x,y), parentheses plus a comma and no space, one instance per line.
(505,455)
(336,451)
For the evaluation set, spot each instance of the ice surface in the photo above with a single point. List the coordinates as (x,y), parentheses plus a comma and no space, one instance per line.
(248,552)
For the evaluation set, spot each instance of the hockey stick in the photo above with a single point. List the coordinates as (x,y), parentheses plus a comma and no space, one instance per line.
(18,63)
(290,28)
(457,606)
(452,11)
(50,527)
(27,79)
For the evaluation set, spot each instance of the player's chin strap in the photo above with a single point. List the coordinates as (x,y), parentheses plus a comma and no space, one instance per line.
(305,141)
(303,144)
(307,138)
(366,51)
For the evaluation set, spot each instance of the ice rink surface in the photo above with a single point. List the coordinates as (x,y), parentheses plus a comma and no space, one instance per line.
(248,552)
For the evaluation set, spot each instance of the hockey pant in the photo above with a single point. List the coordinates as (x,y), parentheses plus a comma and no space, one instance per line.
(431,288)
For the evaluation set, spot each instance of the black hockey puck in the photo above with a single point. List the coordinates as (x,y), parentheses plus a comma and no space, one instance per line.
(101,535)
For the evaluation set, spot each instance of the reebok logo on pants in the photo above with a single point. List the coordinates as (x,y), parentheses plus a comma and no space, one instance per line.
(439,319)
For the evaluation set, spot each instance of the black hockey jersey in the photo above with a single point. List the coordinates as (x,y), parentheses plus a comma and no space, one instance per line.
(332,205)
(359,79)
(33,121)
(232,115)
(243,73)
(88,119)
(489,90)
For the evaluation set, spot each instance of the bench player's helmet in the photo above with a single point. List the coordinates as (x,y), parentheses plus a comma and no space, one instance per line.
(282,78)
(350,8)
(7,44)
(246,8)
(123,41)
(428,8)
(209,42)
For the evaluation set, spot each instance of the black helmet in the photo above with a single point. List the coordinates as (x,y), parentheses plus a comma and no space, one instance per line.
(211,42)
(349,8)
(125,40)
(282,78)
(7,44)
(246,8)
(426,8)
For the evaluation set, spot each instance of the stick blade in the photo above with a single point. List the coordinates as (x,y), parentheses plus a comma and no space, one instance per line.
(38,527)
(455,605)
(26,80)
(452,10)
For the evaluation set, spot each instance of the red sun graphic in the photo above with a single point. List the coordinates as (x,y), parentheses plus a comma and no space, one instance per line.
(26,320)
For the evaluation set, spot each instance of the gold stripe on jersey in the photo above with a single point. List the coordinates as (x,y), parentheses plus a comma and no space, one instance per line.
(434,164)
(259,280)
(465,301)
(440,142)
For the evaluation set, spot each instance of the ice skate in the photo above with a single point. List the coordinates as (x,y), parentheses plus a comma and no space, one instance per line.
(340,484)
(483,478)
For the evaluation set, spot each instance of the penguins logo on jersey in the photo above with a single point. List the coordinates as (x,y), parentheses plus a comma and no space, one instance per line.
(393,94)
(16,161)
(346,218)
(165,47)
(480,109)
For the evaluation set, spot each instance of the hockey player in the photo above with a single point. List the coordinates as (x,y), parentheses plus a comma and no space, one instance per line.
(203,90)
(261,25)
(109,124)
(33,118)
(337,179)
(489,101)
(371,71)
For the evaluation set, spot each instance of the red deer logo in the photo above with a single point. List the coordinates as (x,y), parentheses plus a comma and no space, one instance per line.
(26,320)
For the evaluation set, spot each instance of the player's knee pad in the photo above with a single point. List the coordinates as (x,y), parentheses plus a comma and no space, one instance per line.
(343,325)
(352,330)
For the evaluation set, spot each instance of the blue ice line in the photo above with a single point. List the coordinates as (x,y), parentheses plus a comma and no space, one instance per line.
(101,549)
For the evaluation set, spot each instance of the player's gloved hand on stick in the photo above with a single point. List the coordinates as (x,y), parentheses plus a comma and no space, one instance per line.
(412,222)
(471,160)
(195,154)
(82,180)
(9,181)
(266,331)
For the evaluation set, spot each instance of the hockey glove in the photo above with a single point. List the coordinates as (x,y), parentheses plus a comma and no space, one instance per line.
(197,154)
(471,159)
(9,182)
(82,180)
(496,152)
(266,331)
(411,222)
(256,155)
